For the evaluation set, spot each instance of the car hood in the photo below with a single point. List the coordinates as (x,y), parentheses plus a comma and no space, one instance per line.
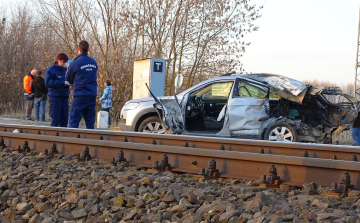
(139,100)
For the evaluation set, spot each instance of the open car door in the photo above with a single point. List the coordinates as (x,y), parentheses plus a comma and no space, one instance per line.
(248,108)
(170,114)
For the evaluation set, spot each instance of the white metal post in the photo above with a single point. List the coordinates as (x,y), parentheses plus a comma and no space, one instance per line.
(357,74)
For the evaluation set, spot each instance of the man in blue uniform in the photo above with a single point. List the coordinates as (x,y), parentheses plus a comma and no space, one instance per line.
(82,74)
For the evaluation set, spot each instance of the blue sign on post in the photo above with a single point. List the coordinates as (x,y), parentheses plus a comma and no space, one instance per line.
(157,76)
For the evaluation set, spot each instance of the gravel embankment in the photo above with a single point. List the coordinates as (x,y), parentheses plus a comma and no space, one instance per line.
(38,189)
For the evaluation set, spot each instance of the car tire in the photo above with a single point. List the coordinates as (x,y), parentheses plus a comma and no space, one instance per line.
(152,125)
(281,132)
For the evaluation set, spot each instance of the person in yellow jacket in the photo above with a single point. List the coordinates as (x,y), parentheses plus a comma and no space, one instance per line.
(29,97)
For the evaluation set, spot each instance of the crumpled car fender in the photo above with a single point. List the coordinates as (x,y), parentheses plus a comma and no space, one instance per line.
(269,122)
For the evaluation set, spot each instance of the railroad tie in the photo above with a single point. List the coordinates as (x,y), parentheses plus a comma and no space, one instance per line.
(210,173)
(120,159)
(2,143)
(344,187)
(24,148)
(164,165)
(53,150)
(85,156)
(184,149)
(353,157)
(305,154)
(272,180)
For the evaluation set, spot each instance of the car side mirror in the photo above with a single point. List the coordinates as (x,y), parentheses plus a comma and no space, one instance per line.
(178,82)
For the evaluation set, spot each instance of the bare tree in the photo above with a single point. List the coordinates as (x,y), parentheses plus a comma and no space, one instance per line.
(24,47)
(199,38)
(66,19)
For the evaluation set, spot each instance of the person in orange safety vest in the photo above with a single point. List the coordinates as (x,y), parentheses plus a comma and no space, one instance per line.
(29,97)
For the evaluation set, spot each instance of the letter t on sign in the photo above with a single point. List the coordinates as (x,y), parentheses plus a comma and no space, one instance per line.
(158,67)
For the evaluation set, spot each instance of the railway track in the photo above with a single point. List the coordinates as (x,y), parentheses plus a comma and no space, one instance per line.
(209,156)
(336,152)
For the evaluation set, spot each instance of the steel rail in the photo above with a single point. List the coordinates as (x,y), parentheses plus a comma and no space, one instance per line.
(242,165)
(338,152)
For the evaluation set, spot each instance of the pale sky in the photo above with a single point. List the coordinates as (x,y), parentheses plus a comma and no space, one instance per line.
(305,40)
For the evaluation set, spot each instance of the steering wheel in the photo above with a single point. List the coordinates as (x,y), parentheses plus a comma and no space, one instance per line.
(200,105)
(198,102)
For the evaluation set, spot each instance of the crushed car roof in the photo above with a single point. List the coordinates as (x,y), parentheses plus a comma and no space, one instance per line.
(274,81)
(278,82)
(282,86)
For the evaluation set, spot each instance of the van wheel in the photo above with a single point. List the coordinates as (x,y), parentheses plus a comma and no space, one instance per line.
(152,125)
(281,132)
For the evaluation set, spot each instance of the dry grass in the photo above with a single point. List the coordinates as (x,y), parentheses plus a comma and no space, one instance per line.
(21,115)
(19,118)
(17,114)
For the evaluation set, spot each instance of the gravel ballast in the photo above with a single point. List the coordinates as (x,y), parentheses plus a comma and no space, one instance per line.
(41,189)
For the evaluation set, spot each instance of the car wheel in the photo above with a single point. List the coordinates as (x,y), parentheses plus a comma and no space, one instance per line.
(152,125)
(281,132)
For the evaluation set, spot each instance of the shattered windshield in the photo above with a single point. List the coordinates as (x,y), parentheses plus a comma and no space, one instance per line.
(335,95)
(336,99)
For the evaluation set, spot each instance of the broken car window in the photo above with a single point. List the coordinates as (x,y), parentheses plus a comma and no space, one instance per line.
(247,90)
(336,99)
(218,91)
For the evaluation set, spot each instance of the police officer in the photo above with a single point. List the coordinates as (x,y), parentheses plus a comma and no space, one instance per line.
(58,91)
(82,74)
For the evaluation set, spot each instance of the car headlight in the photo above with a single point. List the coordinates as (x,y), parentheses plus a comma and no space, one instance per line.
(131,106)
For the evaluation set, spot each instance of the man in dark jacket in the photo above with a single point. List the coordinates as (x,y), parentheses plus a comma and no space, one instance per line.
(39,91)
(82,74)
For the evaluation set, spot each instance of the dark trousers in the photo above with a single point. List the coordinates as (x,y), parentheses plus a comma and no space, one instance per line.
(29,104)
(107,110)
(83,106)
(356,136)
(59,111)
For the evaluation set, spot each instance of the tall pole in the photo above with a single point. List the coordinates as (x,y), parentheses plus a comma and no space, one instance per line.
(357,74)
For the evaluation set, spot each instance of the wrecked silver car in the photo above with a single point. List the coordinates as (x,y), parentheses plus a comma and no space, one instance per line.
(258,106)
